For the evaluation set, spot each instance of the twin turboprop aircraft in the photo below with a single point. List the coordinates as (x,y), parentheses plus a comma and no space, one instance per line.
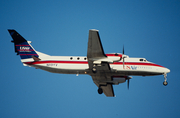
(106,70)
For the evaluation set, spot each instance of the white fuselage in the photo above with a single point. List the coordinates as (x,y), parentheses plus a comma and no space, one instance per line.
(79,65)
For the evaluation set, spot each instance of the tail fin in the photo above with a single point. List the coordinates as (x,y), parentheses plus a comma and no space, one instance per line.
(22,46)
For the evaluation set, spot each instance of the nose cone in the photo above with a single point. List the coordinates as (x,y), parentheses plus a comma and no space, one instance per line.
(166,70)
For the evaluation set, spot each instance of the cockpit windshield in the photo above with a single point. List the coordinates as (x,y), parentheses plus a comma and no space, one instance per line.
(143,60)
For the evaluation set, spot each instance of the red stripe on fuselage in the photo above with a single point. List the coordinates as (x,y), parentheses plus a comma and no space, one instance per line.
(67,62)
(85,62)
(137,63)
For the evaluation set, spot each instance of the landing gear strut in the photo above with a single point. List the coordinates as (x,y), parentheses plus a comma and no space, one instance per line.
(165,83)
(94,69)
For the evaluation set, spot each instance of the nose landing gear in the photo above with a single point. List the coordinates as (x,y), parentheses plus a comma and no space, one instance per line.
(165,83)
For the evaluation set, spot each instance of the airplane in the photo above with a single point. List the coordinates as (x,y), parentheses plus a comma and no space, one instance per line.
(106,70)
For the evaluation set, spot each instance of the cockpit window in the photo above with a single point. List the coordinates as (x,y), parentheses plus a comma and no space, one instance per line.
(141,59)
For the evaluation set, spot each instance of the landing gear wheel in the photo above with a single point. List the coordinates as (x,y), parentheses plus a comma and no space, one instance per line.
(94,70)
(165,83)
(100,91)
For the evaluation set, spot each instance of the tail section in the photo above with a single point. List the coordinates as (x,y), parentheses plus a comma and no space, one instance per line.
(23,47)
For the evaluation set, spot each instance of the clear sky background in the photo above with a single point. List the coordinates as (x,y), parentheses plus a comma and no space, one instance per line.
(146,28)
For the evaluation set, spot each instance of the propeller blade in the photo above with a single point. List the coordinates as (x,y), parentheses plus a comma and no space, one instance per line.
(128,84)
(123,62)
(123,57)
(123,49)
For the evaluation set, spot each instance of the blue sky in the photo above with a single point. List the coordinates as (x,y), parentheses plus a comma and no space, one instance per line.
(148,29)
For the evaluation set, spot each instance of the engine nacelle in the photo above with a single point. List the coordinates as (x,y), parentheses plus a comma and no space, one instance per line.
(111,58)
(117,80)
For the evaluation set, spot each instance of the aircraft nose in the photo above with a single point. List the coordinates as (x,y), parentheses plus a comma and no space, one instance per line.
(166,70)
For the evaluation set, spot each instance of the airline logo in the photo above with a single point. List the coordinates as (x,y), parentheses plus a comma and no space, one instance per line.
(25,49)
(130,67)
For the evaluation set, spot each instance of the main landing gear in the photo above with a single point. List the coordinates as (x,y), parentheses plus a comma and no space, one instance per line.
(100,91)
(165,83)
(94,68)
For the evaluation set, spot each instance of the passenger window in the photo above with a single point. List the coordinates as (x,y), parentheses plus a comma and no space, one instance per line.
(84,58)
(71,58)
(78,58)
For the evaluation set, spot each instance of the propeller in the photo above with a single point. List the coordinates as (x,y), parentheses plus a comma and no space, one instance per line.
(123,68)
(123,49)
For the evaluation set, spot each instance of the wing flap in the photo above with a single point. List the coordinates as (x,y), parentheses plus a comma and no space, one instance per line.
(108,90)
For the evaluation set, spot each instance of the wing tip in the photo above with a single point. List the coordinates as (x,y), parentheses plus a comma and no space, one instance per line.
(94,30)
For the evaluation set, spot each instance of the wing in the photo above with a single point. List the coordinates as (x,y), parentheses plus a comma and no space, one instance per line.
(95,49)
(95,52)
(103,82)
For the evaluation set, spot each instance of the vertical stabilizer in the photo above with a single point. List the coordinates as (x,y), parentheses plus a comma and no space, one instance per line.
(22,46)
